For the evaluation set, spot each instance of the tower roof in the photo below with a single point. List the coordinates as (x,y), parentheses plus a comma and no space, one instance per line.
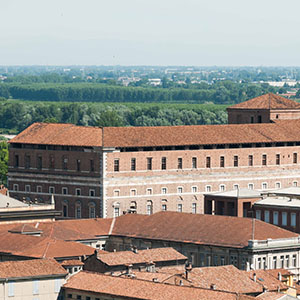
(267,101)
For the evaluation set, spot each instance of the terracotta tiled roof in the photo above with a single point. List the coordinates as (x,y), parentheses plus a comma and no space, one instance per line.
(142,256)
(272,296)
(280,131)
(60,134)
(267,280)
(30,268)
(267,101)
(25,229)
(72,262)
(39,247)
(197,228)
(140,289)
(225,278)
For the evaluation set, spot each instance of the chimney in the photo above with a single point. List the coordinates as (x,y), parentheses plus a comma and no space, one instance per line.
(212,286)
(155,279)
(279,276)
(180,282)
(254,277)
(188,269)
(129,269)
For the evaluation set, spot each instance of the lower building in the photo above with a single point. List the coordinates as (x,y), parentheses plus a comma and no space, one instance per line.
(31,279)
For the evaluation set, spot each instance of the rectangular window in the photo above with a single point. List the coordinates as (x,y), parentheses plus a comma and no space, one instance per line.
(27,161)
(116,165)
(11,289)
(64,163)
(294,260)
(35,287)
(275,217)
(39,162)
(295,183)
(208,188)
(222,161)
(133,192)
(284,218)
(295,158)
(179,190)
(92,193)
(15,187)
(235,161)
(133,164)
(264,160)
(92,165)
(149,208)
(235,186)
(164,190)
(16,161)
(281,262)
(78,211)
(179,163)
(78,167)
(149,191)
(51,162)
(267,216)
(116,193)
(27,188)
(179,207)
(38,189)
(65,191)
(277,159)
(287,261)
(293,219)
(78,192)
(250,186)
(277,185)
(194,208)
(164,207)
(163,163)
(274,262)
(194,189)
(250,160)
(149,163)
(51,190)
(194,162)
(258,214)
(208,164)
(264,186)
(57,285)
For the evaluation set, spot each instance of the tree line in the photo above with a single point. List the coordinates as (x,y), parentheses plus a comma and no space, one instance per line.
(17,115)
(221,92)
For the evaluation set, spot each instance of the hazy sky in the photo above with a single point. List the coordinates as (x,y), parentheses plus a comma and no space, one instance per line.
(144,32)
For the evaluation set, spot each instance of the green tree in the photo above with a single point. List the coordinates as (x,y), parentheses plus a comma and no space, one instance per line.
(3,162)
(109,118)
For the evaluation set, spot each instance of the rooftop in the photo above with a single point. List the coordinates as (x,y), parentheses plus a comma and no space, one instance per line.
(279,201)
(7,202)
(196,228)
(30,268)
(142,256)
(267,101)
(140,289)
(238,193)
(67,134)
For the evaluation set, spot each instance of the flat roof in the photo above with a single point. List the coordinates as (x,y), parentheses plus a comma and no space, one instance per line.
(237,193)
(279,201)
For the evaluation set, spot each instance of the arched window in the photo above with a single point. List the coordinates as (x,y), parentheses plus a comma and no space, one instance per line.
(65,206)
(92,210)
(149,207)
(78,210)
(116,207)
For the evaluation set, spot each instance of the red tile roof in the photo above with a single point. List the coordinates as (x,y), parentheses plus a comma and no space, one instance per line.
(197,228)
(30,268)
(271,296)
(225,278)
(267,280)
(140,289)
(142,256)
(54,134)
(41,247)
(267,101)
(72,262)
(60,134)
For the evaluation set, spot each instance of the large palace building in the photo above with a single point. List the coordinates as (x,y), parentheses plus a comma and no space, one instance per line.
(104,172)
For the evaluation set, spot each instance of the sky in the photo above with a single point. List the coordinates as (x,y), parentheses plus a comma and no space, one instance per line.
(144,32)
